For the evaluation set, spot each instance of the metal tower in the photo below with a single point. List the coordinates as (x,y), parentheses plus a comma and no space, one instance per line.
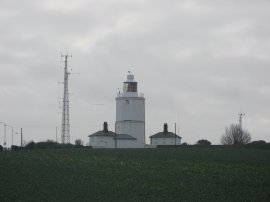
(240,122)
(65,132)
(240,119)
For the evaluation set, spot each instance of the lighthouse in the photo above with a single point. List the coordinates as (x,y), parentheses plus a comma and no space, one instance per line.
(130,110)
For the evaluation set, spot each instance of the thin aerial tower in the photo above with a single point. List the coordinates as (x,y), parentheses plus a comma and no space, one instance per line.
(240,119)
(240,122)
(65,131)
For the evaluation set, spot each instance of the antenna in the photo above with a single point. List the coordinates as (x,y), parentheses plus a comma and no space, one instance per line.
(65,131)
(240,119)
(240,122)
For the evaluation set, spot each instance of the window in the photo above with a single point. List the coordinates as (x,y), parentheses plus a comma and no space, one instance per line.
(130,86)
(127,102)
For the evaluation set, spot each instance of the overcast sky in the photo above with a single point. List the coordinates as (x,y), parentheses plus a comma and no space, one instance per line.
(198,63)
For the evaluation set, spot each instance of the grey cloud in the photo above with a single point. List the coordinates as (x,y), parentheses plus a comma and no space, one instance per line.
(197,62)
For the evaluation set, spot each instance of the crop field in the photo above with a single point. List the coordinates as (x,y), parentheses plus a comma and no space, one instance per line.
(176,174)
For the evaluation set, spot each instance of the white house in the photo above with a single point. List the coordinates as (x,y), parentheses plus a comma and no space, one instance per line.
(130,111)
(103,138)
(165,138)
(108,139)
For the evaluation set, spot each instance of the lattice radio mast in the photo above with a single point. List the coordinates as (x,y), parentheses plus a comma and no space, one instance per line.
(65,132)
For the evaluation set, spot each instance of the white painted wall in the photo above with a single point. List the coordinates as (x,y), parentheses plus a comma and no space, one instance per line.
(130,117)
(102,142)
(130,108)
(109,142)
(165,141)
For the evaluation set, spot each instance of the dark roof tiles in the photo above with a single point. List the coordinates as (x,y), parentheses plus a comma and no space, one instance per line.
(112,134)
(164,135)
(125,137)
(103,133)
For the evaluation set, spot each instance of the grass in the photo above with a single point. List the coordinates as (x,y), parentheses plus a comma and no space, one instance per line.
(182,174)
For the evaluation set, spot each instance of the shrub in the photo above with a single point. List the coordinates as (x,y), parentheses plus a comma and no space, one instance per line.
(49,144)
(30,145)
(259,144)
(78,143)
(203,142)
(15,148)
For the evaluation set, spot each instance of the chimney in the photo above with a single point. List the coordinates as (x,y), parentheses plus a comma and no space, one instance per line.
(165,128)
(105,127)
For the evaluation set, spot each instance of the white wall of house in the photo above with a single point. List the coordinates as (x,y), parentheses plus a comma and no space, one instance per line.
(165,141)
(109,142)
(102,142)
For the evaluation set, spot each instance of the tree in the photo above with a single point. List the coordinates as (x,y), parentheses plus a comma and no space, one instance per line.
(234,135)
(203,142)
(78,143)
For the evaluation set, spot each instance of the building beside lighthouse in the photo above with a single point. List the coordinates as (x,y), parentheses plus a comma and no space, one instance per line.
(130,111)
(165,138)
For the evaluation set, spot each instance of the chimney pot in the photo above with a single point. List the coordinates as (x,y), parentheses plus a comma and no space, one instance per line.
(165,128)
(105,127)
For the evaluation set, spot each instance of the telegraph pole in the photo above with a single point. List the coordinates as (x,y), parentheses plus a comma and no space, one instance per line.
(175,134)
(12,136)
(5,134)
(5,137)
(56,130)
(21,138)
(65,132)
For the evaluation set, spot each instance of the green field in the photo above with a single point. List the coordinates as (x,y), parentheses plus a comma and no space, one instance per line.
(182,174)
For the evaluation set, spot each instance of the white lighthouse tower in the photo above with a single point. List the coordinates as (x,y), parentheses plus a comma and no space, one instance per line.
(130,111)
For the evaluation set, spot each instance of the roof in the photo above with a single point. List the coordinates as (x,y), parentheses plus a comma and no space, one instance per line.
(112,134)
(165,135)
(103,133)
(125,137)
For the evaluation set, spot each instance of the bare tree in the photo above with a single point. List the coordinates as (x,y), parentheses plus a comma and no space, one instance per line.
(234,135)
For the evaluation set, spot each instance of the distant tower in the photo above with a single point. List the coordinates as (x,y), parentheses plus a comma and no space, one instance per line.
(240,122)
(65,132)
(130,111)
(240,119)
